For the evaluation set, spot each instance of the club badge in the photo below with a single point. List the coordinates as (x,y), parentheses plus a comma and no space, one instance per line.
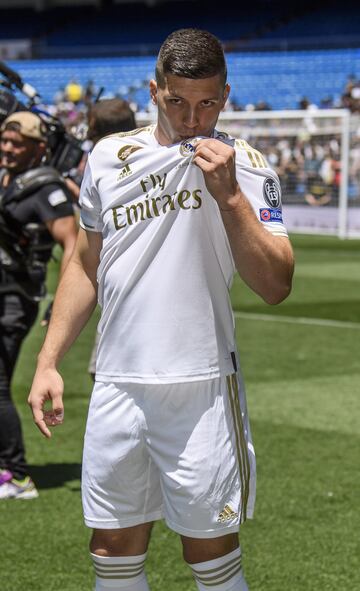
(272,193)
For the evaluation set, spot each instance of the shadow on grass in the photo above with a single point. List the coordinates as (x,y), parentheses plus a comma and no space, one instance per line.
(56,475)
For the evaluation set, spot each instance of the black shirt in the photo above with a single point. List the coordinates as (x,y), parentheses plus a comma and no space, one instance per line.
(26,219)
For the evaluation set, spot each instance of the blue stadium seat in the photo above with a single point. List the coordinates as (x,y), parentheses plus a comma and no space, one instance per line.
(281,78)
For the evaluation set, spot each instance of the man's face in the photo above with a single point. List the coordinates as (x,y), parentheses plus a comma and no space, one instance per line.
(187,107)
(19,153)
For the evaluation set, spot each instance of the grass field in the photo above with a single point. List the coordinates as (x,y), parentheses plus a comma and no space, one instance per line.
(301,362)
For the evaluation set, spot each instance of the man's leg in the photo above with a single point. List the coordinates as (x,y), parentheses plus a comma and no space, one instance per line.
(215,563)
(16,318)
(207,473)
(119,558)
(120,486)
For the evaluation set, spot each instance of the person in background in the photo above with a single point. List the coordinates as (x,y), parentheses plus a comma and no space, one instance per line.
(105,117)
(109,116)
(35,213)
(74,92)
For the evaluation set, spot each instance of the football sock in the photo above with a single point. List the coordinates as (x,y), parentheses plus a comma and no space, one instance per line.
(120,573)
(221,574)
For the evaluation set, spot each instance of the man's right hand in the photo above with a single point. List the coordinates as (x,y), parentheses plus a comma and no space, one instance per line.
(47,385)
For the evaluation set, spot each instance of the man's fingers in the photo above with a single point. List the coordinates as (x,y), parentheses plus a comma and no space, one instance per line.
(57,406)
(53,418)
(47,418)
(39,421)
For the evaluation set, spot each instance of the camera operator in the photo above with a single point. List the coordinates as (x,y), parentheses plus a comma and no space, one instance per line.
(36,212)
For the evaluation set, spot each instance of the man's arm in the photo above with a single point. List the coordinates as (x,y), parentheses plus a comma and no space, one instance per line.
(64,232)
(265,262)
(74,303)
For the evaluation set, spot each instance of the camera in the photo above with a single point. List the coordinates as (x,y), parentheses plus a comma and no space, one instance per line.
(65,151)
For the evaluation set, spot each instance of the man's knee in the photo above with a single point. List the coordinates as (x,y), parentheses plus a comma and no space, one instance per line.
(129,541)
(215,563)
(203,549)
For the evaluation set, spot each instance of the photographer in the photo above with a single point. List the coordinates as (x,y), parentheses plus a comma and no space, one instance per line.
(35,213)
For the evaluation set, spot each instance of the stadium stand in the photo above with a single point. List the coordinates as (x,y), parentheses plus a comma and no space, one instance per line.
(286,76)
(117,42)
(140,27)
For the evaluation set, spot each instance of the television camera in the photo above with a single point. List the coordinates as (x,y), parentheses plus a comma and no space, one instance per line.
(65,150)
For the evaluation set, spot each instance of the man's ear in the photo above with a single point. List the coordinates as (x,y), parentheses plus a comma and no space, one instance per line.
(42,147)
(226,92)
(41,150)
(153,91)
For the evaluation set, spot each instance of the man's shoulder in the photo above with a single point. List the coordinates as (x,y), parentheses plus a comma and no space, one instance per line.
(119,146)
(249,156)
(141,135)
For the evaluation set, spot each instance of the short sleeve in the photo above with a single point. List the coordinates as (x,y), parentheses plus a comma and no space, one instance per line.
(53,202)
(261,185)
(90,204)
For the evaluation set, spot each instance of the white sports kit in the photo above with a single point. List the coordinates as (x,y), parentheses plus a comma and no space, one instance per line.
(168,432)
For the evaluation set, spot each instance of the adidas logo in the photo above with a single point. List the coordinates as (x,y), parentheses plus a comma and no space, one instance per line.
(226,514)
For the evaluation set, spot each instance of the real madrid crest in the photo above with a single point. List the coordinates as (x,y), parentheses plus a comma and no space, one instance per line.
(187,147)
(125,151)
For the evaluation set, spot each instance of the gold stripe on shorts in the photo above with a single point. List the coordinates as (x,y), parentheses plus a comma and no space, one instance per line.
(241,444)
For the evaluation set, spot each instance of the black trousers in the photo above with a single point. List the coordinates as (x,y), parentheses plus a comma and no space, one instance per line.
(17,316)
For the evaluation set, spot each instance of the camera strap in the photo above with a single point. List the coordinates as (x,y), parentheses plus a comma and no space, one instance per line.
(28,182)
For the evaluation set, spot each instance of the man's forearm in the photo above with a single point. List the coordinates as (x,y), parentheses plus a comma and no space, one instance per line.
(264,262)
(74,303)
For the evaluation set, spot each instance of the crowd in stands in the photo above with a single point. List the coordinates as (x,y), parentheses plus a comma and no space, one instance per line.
(309,169)
(74,96)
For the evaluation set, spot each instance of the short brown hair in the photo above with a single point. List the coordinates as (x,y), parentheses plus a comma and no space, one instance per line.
(191,53)
(109,116)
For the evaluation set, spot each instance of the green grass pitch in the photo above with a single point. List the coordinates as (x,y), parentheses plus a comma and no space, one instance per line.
(301,362)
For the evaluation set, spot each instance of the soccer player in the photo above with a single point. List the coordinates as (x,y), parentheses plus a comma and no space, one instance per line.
(168,213)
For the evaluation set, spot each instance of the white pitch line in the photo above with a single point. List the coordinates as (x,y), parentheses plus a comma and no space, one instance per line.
(298,320)
(285,319)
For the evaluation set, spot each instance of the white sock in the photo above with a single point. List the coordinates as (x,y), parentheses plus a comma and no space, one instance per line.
(221,574)
(120,573)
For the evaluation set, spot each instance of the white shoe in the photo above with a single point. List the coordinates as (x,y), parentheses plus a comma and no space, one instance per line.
(18,489)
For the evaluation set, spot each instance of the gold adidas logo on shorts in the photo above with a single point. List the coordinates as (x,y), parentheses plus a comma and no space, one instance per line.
(226,514)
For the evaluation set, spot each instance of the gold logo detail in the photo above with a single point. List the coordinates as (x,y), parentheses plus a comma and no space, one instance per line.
(226,514)
(125,151)
(153,207)
(124,172)
(133,131)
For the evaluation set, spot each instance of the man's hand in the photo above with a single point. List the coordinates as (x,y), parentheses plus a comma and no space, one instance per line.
(47,385)
(217,161)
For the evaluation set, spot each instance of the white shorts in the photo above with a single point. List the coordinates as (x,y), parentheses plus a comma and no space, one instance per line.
(182,452)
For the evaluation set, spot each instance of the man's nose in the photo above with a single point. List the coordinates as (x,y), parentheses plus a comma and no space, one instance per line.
(6,146)
(191,119)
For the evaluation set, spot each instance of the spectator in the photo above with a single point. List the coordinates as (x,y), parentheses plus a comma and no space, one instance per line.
(89,92)
(74,92)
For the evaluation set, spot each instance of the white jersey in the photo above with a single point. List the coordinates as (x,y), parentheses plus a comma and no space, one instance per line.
(166,266)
